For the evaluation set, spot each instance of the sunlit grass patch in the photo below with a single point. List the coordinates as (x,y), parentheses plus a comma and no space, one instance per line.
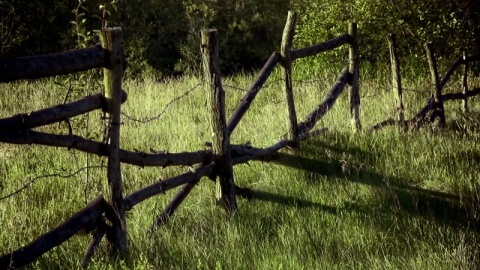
(376,200)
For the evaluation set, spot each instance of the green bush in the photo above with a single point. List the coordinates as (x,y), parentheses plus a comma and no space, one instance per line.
(153,31)
(249,31)
(450,25)
(34,27)
(162,36)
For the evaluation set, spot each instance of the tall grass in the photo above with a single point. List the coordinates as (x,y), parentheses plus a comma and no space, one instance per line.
(381,200)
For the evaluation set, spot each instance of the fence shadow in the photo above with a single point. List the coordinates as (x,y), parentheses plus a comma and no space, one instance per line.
(400,197)
(290,201)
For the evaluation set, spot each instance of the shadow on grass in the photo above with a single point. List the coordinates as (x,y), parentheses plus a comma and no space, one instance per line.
(476,157)
(290,201)
(449,209)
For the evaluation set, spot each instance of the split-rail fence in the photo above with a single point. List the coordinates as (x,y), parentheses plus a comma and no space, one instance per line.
(434,109)
(106,216)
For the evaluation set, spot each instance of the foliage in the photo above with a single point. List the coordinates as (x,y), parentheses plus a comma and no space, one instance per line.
(450,25)
(34,27)
(249,30)
(153,31)
(162,36)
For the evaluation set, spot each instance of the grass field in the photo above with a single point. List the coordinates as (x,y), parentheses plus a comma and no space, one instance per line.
(381,200)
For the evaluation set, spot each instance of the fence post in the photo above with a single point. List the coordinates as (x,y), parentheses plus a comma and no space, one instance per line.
(111,39)
(465,83)
(221,141)
(286,62)
(396,78)
(437,94)
(354,68)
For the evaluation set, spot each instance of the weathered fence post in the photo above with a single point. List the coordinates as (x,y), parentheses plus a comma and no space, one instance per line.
(354,69)
(111,39)
(396,78)
(437,94)
(465,82)
(221,137)
(286,62)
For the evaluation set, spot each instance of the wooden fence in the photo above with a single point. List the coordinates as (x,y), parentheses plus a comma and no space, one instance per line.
(107,216)
(434,108)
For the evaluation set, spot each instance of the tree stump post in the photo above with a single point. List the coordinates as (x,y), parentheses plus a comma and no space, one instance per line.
(111,39)
(286,62)
(354,68)
(396,78)
(225,185)
(465,83)
(437,93)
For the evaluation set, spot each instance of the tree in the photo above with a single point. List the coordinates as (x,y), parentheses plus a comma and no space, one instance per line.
(453,25)
(34,27)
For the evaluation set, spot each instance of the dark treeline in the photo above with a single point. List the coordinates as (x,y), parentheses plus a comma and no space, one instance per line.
(162,36)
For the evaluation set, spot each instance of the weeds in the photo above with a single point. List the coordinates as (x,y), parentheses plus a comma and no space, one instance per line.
(365,201)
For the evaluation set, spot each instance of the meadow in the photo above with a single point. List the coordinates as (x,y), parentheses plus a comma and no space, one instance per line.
(344,200)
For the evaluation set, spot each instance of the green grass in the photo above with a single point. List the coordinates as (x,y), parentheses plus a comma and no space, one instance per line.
(361,201)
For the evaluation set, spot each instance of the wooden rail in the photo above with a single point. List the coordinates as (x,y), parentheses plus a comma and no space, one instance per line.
(322,47)
(252,92)
(326,104)
(27,254)
(92,147)
(33,67)
(57,113)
